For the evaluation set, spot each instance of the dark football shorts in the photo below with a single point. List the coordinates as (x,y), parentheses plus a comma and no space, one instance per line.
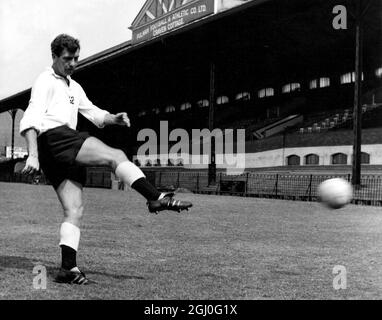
(57,151)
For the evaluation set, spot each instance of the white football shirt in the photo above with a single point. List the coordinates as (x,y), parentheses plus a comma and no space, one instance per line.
(54,103)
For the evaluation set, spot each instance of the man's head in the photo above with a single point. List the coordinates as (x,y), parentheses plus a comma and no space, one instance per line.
(65,53)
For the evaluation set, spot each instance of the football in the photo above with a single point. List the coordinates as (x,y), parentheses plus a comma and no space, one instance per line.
(335,193)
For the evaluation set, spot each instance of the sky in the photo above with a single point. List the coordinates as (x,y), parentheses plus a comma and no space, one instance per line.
(27,28)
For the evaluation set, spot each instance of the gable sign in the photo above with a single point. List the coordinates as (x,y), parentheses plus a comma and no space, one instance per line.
(158,17)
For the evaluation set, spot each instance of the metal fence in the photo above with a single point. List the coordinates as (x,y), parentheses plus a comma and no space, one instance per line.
(301,187)
(96,177)
(266,185)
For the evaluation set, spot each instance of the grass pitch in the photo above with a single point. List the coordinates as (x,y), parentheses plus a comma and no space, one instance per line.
(224,248)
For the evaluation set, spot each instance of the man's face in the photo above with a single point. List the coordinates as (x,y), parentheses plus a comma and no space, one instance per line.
(65,64)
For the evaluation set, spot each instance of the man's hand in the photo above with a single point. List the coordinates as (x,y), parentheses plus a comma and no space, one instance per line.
(122,119)
(32,165)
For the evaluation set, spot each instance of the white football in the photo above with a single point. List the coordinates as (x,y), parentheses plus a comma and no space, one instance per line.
(335,193)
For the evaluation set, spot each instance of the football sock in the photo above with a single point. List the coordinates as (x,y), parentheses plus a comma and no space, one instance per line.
(68,255)
(129,173)
(146,189)
(69,241)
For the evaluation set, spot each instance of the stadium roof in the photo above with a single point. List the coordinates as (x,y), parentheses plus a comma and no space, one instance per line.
(296,32)
(21,98)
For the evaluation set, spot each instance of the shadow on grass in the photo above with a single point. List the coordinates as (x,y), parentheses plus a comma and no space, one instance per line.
(17,262)
(115,276)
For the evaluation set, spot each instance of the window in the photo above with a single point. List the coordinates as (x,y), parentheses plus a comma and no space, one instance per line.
(142,113)
(291,87)
(312,159)
(148,163)
(203,103)
(266,92)
(349,77)
(365,158)
(155,110)
(170,109)
(293,160)
(222,100)
(137,162)
(243,96)
(319,83)
(185,106)
(313,84)
(339,158)
(378,72)
(324,82)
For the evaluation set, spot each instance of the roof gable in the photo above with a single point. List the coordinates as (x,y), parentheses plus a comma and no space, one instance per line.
(158,17)
(155,9)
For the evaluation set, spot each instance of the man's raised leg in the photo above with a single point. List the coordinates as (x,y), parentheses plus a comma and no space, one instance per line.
(95,152)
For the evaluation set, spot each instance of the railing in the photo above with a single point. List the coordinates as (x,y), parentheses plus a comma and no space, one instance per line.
(303,187)
(290,186)
(96,177)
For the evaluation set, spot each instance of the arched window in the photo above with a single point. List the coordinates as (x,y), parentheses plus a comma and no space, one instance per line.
(170,109)
(339,158)
(290,87)
(185,106)
(319,83)
(142,113)
(324,82)
(155,110)
(312,159)
(203,103)
(365,158)
(313,84)
(243,96)
(293,160)
(378,72)
(222,100)
(349,77)
(266,92)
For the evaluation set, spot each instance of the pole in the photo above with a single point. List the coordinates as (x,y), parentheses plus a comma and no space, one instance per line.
(13,115)
(357,112)
(212,165)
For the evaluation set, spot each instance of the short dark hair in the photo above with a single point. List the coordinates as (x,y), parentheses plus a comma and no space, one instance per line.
(64,41)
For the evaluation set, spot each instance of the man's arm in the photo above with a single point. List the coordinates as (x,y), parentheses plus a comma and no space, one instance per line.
(32,164)
(119,119)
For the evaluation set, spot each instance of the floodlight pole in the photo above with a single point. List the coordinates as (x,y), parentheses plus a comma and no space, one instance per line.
(13,115)
(211,124)
(357,111)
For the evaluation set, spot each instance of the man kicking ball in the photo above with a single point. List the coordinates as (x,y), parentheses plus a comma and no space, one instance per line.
(49,127)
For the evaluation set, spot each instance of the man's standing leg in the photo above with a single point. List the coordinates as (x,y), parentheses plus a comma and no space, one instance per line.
(70,195)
